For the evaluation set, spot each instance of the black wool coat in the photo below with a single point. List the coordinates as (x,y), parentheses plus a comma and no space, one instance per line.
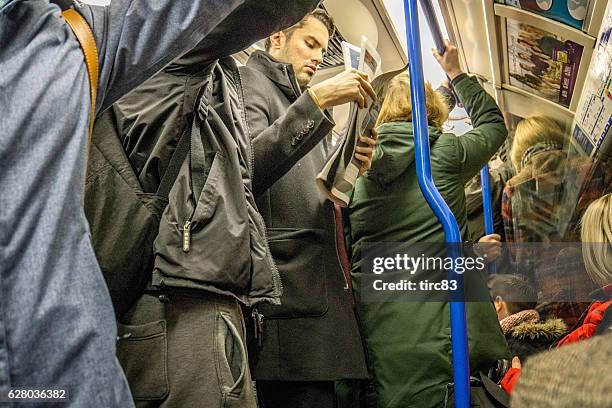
(313,335)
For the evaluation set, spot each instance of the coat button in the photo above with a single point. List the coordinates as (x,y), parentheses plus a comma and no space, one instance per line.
(310,124)
(164,298)
(294,142)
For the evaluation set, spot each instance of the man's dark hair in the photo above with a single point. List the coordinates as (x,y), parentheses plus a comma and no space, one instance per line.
(319,13)
(516,290)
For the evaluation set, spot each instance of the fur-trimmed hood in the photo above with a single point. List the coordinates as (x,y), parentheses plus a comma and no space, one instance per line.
(551,329)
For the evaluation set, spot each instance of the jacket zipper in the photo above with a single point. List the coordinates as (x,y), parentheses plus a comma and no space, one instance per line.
(276,280)
(188,222)
(187,236)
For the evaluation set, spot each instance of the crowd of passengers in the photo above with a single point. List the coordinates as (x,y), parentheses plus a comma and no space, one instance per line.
(234,281)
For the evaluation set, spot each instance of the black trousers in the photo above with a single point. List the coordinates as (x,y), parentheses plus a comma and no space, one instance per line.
(312,394)
(296,394)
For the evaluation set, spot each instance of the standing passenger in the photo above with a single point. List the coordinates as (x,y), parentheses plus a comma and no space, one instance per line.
(409,342)
(537,153)
(182,344)
(312,339)
(57,327)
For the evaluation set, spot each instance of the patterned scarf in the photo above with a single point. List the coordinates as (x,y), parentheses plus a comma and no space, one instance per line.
(530,315)
(538,148)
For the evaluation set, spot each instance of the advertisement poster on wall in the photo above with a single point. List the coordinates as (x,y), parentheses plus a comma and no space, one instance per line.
(570,12)
(593,127)
(542,63)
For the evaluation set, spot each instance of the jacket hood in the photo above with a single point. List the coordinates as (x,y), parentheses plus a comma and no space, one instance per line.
(278,72)
(549,330)
(394,151)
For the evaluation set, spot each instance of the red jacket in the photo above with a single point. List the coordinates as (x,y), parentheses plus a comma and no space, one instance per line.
(586,328)
(589,325)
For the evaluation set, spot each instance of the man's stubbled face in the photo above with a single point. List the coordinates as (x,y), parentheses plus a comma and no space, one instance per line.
(303,48)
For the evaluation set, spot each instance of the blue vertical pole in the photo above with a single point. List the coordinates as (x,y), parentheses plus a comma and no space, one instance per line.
(461,369)
(486,199)
(487,205)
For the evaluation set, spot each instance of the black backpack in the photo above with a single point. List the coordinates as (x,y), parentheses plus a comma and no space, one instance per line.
(124,220)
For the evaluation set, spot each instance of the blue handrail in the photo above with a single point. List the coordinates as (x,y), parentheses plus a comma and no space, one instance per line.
(486,200)
(461,369)
(487,205)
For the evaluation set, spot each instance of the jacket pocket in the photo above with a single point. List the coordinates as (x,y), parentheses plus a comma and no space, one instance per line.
(298,254)
(143,353)
(232,360)
(204,239)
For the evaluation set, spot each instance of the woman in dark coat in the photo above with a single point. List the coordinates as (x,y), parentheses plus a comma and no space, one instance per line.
(409,343)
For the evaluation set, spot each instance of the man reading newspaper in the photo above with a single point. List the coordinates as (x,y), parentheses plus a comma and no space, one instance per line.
(299,352)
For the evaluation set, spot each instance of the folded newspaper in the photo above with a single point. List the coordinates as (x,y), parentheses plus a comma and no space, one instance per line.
(338,176)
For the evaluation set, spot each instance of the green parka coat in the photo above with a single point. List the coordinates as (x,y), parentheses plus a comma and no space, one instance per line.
(409,343)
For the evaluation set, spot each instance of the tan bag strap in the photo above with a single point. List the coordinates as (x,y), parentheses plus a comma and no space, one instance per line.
(85,36)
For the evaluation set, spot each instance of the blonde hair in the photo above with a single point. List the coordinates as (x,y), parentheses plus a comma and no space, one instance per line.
(596,236)
(397,106)
(533,130)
